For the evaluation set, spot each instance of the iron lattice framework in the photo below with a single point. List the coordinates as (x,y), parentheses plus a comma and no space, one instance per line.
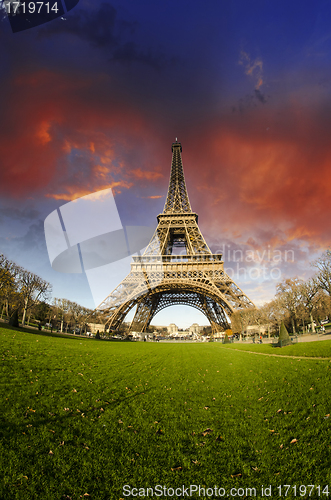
(159,278)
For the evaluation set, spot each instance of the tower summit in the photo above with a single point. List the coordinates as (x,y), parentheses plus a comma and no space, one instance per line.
(162,277)
(177,199)
(185,232)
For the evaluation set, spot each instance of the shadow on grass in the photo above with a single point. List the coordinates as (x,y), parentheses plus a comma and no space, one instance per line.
(43,333)
(8,429)
(62,335)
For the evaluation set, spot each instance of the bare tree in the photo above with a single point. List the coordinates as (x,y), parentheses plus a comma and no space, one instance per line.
(8,295)
(9,273)
(323,275)
(309,291)
(79,314)
(275,313)
(72,313)
(289,295)
(245,317)
(6,271)
(63,306)
(8,280)
(32,288)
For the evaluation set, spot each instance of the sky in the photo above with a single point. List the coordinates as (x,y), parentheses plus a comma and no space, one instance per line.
(93,100)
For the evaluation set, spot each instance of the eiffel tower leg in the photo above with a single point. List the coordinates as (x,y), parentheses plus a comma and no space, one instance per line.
(215,315)
(145,311)
(117,319)
(221,318)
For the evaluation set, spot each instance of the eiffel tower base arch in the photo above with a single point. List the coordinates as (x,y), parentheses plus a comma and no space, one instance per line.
(149,306)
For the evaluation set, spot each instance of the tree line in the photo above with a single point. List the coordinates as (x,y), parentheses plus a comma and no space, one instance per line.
(25,295)
(300,304)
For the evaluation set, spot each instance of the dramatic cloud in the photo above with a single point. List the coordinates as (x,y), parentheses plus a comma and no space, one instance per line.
(73,192)
(56,137)
(261,97)
(17,214)
(24,249)
(265,170)
(96,27)
(252,68)
(146,175)
(102,29)
(155,197)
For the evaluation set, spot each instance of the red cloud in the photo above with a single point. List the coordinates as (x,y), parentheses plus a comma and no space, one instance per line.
(156,197)
(264,169)
(74,192)
(150,176)
(267,169)
(62,134)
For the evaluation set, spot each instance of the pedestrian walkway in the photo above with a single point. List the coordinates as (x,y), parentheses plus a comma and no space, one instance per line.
(306,337)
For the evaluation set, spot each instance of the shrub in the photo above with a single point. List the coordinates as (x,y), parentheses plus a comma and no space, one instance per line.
(283,334)
(13,321)
(226,339)
(284,338)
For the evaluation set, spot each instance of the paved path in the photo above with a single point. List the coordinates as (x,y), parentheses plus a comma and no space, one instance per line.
(283,355)
(302,338)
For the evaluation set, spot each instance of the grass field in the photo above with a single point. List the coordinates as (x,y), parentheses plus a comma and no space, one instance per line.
(82,418)
(321,349)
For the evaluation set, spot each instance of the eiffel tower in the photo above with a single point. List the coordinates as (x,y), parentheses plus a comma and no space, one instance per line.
(159,278)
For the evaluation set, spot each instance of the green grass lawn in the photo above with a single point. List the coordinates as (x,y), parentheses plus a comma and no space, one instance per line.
(322,349)
(82,418)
